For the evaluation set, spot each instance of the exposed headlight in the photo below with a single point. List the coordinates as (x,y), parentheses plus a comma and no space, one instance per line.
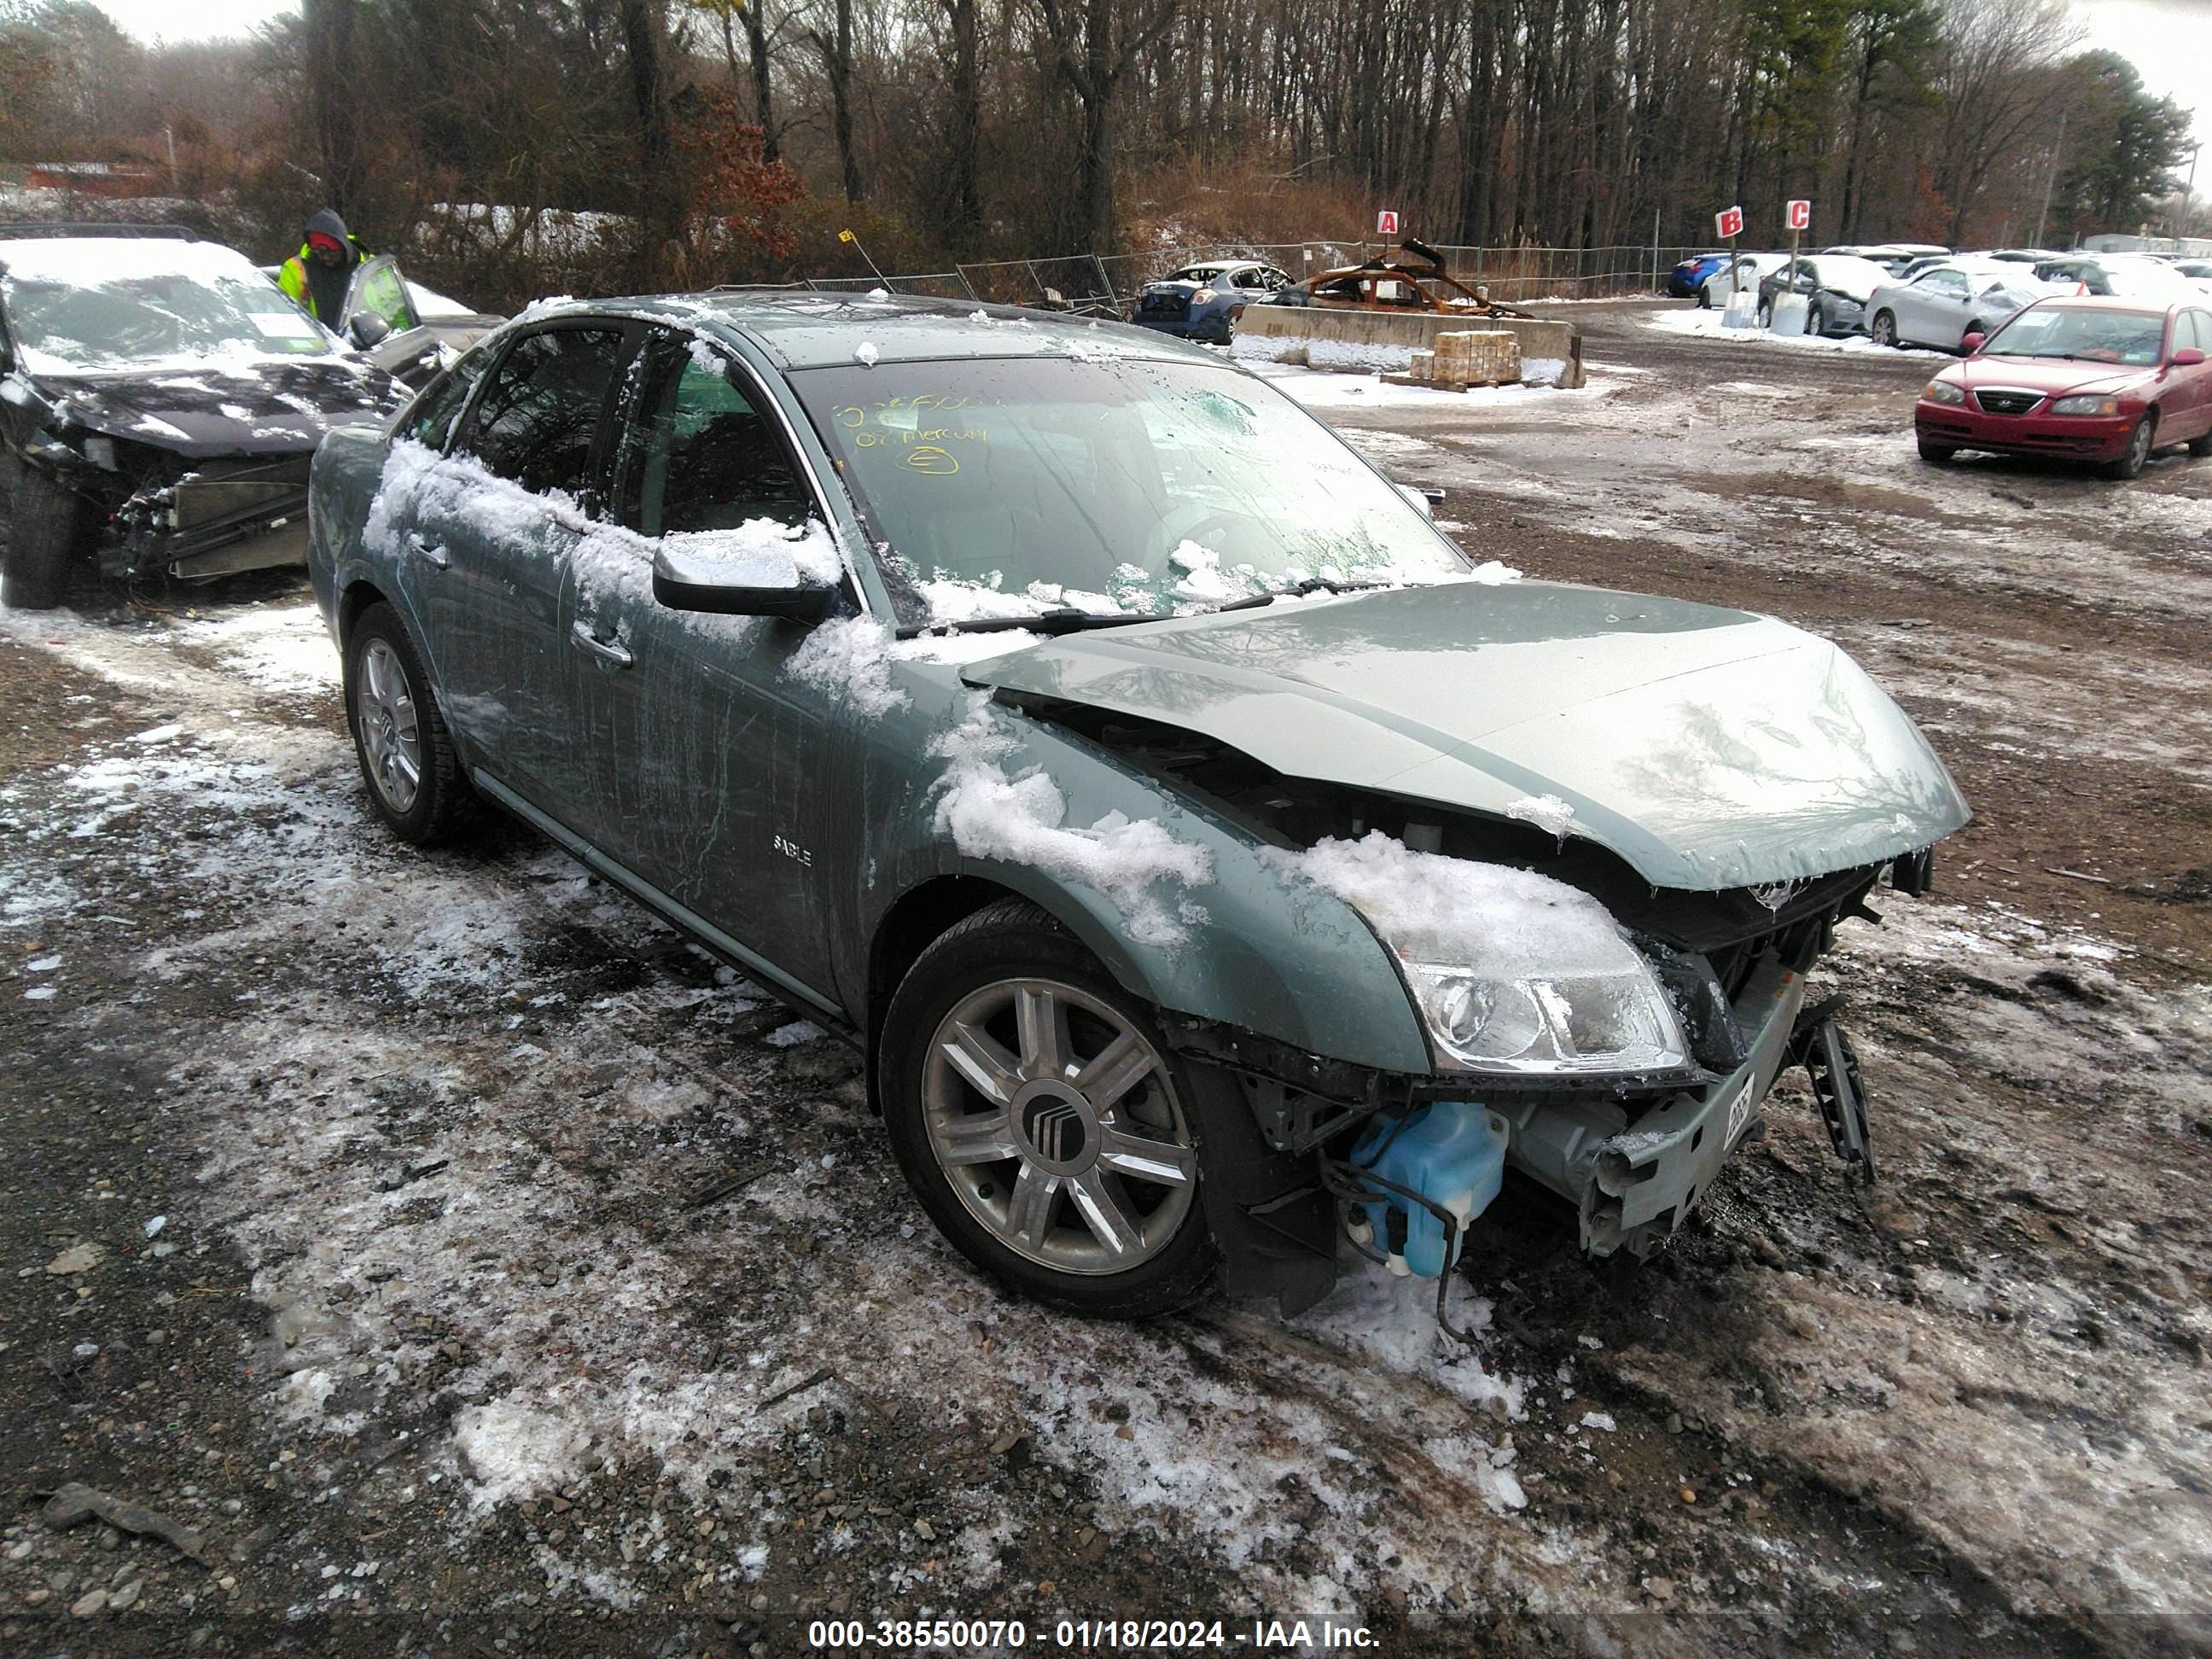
(1943,392)
(2086,404)
(1619,1021)
(100,452)
(1205,296)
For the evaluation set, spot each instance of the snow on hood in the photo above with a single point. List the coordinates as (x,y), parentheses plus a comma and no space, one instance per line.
(1709,749)
(277,406)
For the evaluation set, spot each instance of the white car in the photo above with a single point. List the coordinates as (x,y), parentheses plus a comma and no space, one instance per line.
(1940,306)
(1720,287)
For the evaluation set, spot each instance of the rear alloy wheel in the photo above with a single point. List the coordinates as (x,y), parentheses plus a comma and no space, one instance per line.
(45,527)
(1041,1121)
(406,753)
(1885,329)
(2136,455)
(1936,454)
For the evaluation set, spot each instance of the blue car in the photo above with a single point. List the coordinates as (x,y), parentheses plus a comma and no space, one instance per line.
(1203,301)
(1687,280)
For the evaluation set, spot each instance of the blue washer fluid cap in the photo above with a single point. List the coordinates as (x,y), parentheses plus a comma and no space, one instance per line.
(1452,1153)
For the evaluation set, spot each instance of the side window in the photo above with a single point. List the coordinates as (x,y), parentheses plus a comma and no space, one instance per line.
(541,409)
(2196,330)
(430,420)
(378,287)
(1951,282)
(699,455)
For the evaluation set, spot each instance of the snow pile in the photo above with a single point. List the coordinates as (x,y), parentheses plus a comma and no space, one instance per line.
(1496,920)
(1544,811)
(850,657)
(990,815)
(1201,580)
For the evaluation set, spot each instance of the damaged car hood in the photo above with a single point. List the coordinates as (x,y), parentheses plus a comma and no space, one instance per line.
(273,407)
(1710,748)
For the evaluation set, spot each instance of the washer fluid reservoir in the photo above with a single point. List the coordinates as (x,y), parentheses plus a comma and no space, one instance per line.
(1452,1153)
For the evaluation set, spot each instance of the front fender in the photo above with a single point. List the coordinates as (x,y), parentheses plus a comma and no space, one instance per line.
(1280,958)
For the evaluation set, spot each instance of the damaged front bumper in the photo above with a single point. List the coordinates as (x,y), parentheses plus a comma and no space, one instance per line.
(1634,1164)
(222,516)
(1634,1183)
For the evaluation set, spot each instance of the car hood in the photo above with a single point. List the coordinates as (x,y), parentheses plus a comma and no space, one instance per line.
(1709,749)
(268,407)
(2051,375)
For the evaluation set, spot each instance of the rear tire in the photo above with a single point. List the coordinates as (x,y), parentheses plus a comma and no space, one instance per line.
(45,528)
(399,736)
(2136,456)
(1936,454)
(1040,1180)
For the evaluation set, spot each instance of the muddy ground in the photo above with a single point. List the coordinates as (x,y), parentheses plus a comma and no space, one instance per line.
(525,1281)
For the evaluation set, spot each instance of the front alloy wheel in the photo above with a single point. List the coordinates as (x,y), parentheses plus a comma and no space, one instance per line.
(1885,329)
(1042,1121)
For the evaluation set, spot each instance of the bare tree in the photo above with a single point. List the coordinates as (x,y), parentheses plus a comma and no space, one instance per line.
(1094,43)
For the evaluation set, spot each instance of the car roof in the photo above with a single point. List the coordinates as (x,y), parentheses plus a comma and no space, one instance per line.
(800,329)
(91,259)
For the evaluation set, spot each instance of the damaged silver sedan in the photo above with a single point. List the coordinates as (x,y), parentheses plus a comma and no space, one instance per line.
(1214,862)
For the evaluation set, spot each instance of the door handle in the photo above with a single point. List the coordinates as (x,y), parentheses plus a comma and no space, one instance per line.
(607,651)
(432,555)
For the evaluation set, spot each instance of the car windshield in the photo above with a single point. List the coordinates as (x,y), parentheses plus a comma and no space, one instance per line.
(2095,335)
(998,488)
(106,303)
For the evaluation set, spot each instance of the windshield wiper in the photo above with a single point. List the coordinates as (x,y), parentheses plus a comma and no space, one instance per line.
(1044,622)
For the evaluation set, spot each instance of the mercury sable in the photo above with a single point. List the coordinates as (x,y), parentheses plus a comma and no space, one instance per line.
(1216,865)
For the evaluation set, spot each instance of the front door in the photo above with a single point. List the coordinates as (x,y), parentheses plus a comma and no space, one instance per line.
(708,765)
(492,528)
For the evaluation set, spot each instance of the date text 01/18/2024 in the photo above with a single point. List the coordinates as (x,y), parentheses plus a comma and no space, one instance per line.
(1092,1635)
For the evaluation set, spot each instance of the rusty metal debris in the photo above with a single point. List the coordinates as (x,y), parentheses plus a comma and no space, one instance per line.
(1411,277)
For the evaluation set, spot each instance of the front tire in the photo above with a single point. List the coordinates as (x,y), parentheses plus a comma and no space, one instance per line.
(1815,323)
(1884,331)
(45,528)
(399,735)
(1936,454)
(2201,446)
(2136,456)
(1043,1121)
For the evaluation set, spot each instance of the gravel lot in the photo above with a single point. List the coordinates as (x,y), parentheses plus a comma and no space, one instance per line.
(462,1258)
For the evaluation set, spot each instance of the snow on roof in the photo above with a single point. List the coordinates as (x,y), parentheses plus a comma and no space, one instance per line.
(91,261)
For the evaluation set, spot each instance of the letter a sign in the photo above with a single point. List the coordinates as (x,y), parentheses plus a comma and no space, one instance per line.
(1386,223)
(1801,216)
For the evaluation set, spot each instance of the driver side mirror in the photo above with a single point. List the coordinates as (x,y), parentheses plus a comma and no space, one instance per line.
(1424,500)
(366,329)
(2188,357)
(1972,343)
(752,583)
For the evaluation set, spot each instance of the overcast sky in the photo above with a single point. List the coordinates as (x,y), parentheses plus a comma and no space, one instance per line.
(2170,41)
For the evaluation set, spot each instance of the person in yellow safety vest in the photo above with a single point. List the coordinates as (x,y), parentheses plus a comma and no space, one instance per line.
(318,275)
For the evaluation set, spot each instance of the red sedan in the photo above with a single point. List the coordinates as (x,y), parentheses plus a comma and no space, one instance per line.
(2099,379)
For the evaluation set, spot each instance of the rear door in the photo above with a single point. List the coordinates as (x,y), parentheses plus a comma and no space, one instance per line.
(488,558)
(2191,386)
(709,766)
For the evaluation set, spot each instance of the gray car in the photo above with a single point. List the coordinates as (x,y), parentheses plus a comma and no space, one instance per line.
(1944,303)
(1211,860)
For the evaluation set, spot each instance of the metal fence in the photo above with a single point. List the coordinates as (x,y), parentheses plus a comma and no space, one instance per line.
(1086,281)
